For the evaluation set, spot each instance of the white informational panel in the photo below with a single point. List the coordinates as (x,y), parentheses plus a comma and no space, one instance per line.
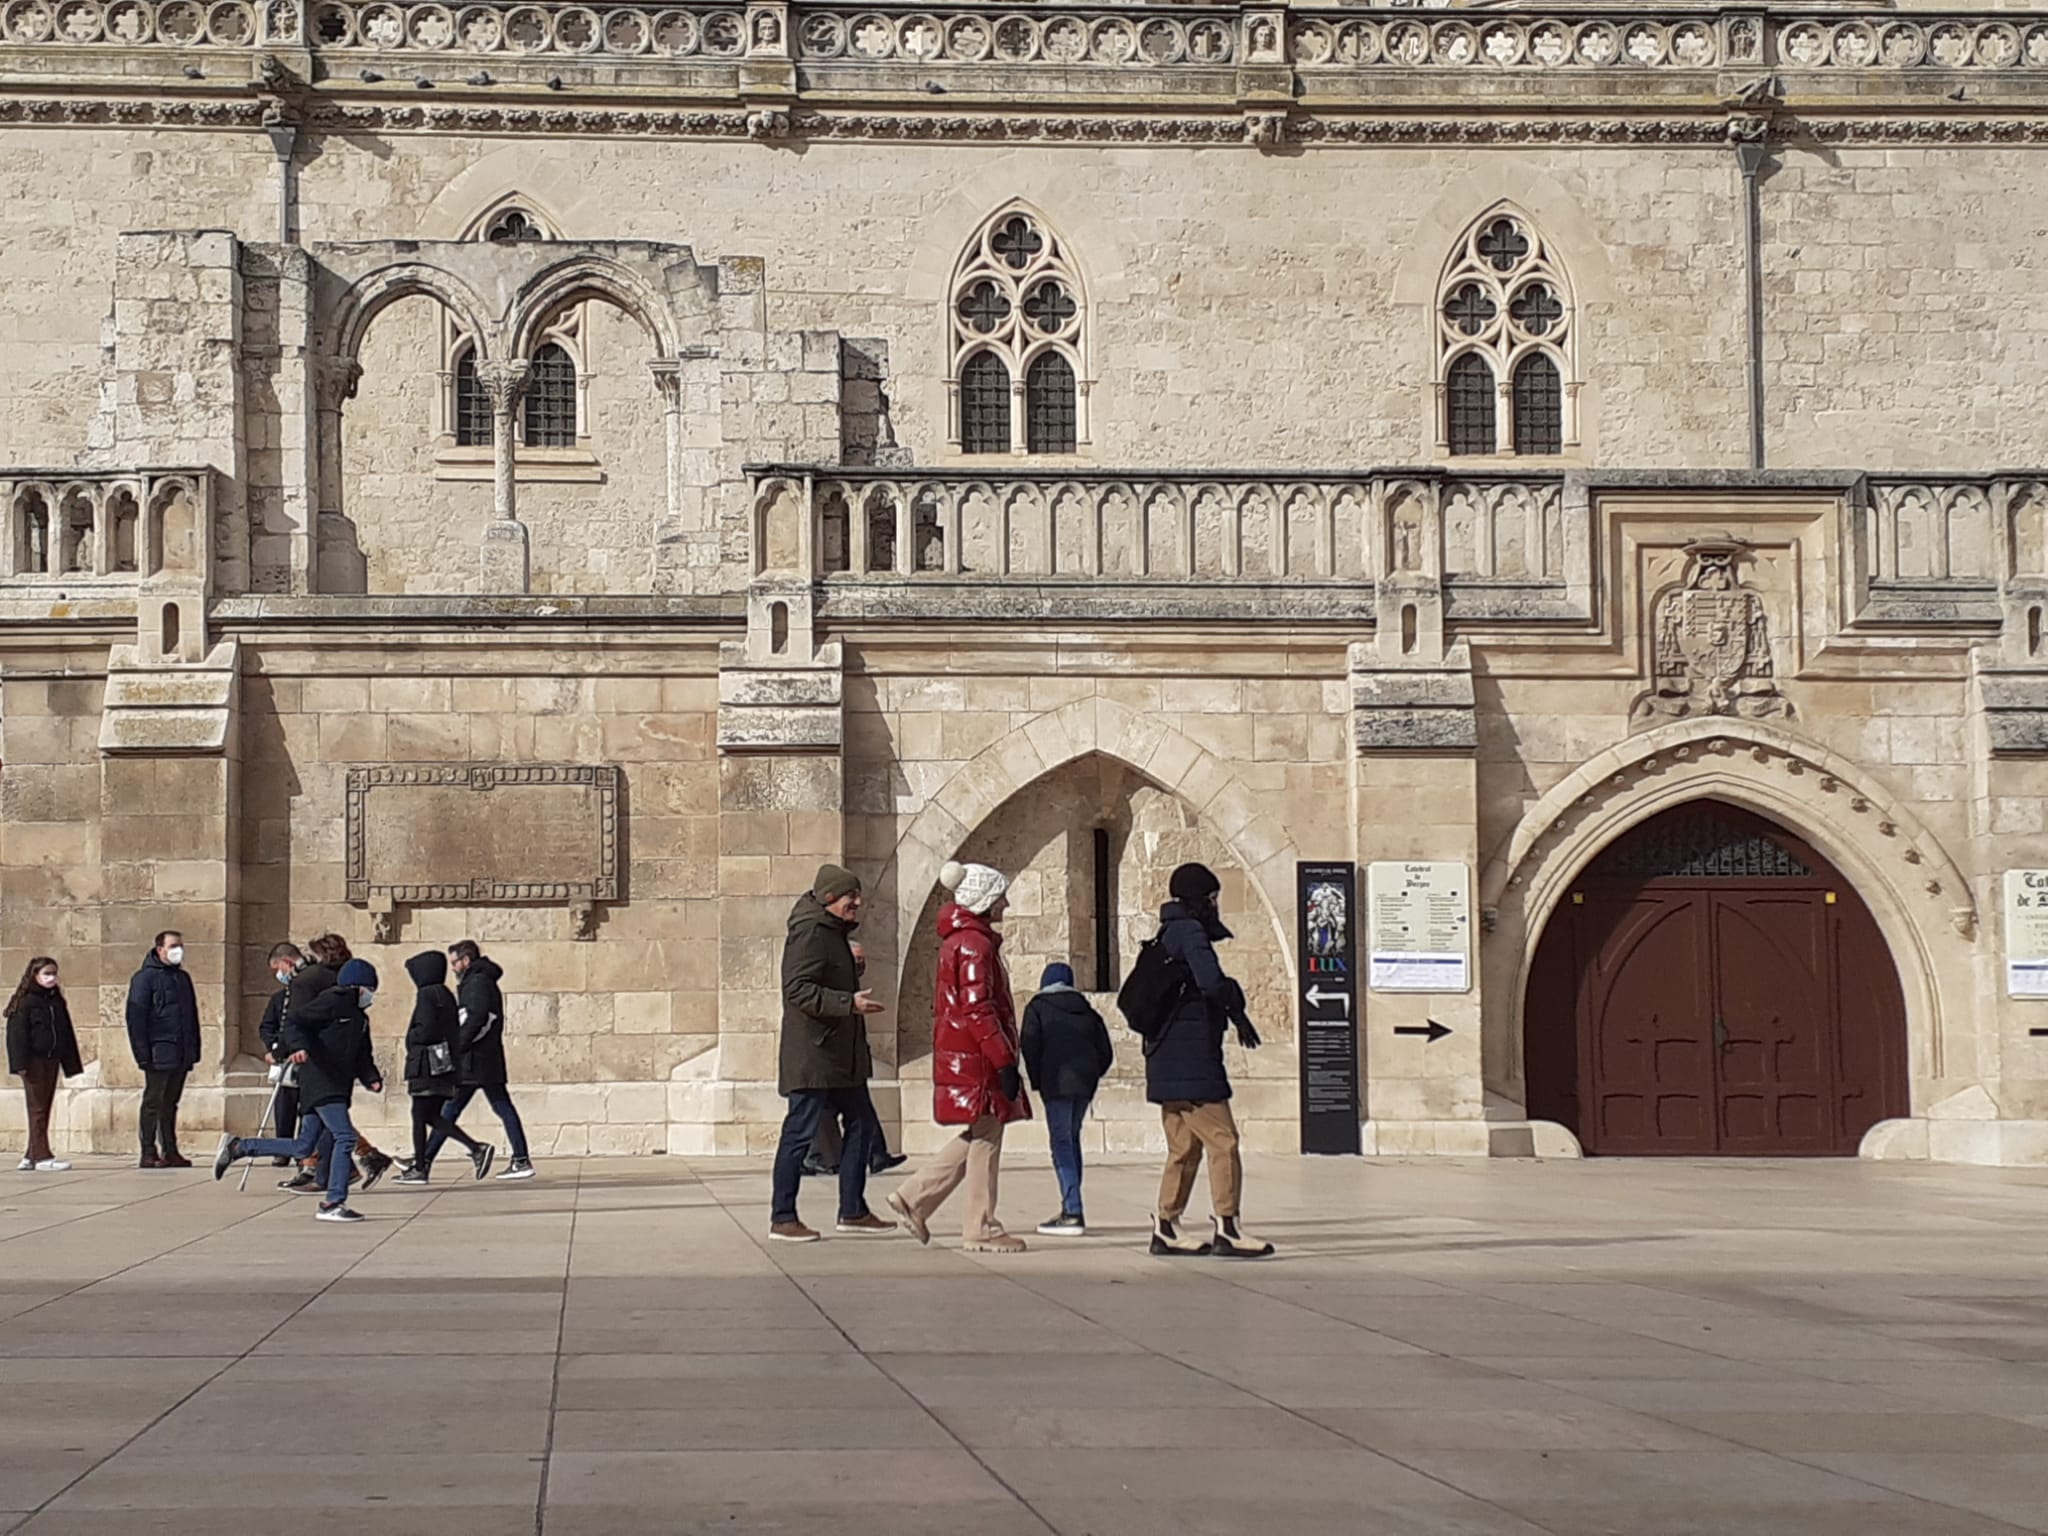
(2026,933)
(1419,922)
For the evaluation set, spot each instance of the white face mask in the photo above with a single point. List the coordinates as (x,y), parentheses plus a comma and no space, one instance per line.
(46,978)
(175,955)
(366,995)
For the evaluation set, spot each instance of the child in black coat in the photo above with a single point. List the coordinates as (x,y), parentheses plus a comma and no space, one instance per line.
(1067,1053)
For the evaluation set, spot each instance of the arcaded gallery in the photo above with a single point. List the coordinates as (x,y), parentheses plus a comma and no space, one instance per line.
(1550,503)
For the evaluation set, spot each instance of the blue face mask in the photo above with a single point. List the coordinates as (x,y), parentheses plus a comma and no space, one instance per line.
(366,995)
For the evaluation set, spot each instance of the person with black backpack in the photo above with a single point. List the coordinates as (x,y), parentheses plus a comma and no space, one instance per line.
(1179,999)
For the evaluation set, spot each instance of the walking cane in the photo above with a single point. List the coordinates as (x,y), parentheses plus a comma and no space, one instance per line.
(268,1120)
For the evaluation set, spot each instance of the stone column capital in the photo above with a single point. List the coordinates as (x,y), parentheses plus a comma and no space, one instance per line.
(668,378)
(504,381)
(335,380)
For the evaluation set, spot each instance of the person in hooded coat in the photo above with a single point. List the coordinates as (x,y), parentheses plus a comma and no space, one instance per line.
(977,1083)
(1067,1053)
(432,1067)
(1186,1077)
(329,1042)
(40,1044)
(304,986)
(480,1005)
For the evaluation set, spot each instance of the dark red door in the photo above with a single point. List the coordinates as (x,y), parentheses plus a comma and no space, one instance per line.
(1713,986)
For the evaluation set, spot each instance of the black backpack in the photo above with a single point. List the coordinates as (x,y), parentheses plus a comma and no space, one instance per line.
(1153,990)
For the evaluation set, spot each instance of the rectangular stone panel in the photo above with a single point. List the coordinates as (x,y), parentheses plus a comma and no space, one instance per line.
(460,833)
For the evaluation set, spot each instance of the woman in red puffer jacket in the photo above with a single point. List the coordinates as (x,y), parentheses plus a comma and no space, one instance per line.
(975,1060)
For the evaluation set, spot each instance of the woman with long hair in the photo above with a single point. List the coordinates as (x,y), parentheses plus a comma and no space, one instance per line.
(40,1044)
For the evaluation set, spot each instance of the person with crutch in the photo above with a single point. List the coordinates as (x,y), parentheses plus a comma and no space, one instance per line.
(285,962)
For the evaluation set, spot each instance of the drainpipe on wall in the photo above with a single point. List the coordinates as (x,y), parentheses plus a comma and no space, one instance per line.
(1751,157)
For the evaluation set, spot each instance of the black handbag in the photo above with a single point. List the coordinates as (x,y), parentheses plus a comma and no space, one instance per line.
(440,1059)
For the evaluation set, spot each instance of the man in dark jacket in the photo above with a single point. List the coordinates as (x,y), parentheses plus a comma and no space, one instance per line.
(329,1042)
(1067,1053)
(433,1055)
(1185,1075)
(305,986)
(825,1059)
(163,1032)
(480,1044)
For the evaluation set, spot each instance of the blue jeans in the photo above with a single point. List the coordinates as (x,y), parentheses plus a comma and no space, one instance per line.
(500,1101)
(1063,1119)
(807,1107)
(329,1122)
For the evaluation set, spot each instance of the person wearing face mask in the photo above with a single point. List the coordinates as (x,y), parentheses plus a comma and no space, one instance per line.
(40,1044)
(329,1042)
(286,961)
(480,1047)
(433,1056)
(976,1062)
(163,1032)
(311,981)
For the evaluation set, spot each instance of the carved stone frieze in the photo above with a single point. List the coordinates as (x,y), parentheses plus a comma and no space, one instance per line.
(462,833)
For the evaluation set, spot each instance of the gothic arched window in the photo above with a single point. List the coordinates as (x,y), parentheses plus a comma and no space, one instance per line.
(513,226)
(1017,315)
(473,426)
(984,405)
(551,399)
(1505,326)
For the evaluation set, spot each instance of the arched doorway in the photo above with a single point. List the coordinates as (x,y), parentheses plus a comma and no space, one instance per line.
(1710,985)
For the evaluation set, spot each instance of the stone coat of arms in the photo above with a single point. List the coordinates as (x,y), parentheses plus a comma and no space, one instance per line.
(1711,649)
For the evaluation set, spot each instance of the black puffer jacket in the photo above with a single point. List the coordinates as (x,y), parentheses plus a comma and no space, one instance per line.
(1185,1063)
(435,1021)
(482,1015)
(334,1032)
(163,1017)
(1066,1044)
(40,1030)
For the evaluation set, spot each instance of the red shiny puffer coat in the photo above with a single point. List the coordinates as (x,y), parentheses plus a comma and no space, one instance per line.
(974,1024)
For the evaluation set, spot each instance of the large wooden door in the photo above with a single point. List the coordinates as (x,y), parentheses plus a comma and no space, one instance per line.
(1712,986)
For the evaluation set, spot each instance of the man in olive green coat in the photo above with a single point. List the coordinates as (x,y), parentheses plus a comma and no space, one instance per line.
(826,1061)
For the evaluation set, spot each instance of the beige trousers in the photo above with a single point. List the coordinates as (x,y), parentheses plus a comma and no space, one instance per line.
(1190,1130)
(974,1158)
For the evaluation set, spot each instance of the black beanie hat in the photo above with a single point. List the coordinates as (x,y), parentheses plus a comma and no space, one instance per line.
(1193,884)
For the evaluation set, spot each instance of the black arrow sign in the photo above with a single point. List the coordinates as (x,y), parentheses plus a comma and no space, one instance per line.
(2038,1031)
(1436,1031)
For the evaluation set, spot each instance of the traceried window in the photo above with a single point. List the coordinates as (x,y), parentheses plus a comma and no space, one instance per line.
(1505,344)
(551,399)
(473,425)
(512,226)
(1017,328)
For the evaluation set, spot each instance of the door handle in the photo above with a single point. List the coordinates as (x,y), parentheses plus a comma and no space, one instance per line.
(1720,1033)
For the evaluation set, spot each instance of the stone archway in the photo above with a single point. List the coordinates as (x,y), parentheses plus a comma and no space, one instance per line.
(1258,842)
(1922,904)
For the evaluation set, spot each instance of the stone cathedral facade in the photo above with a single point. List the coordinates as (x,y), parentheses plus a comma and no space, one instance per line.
(554,473)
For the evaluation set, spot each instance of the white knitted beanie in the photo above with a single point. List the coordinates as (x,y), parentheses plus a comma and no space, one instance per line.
(975,886)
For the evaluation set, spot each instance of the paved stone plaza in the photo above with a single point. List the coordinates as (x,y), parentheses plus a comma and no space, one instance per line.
(1647,1348)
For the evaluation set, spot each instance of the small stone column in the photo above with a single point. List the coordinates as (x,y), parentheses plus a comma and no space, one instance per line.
(504,565)
(332,541)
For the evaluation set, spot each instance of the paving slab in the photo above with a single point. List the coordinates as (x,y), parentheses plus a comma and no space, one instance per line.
(1468,1349)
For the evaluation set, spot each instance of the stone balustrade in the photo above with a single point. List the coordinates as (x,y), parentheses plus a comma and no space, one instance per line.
(102,527)
(1322,42)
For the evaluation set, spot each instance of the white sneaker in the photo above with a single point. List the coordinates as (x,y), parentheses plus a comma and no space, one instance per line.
(53,1165)
(26,1165)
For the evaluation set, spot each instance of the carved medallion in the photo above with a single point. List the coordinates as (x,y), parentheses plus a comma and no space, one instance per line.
(1711,651)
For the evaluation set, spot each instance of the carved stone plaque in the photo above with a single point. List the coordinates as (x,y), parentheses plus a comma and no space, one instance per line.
(452,834)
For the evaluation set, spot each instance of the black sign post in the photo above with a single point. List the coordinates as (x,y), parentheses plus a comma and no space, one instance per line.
(1326,906)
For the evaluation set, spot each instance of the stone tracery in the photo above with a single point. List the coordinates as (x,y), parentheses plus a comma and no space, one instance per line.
(1017,332)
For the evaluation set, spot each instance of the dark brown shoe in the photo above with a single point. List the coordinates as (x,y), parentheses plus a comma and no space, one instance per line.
(177,1160)
(149,1160)
(791,1232)
(869,1225)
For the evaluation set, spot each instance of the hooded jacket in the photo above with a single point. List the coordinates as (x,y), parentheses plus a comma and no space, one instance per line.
(40,1029)
(824,1042)
(436,1020)
(334,1032)
(163,1017)
(1185,1062)
(974,1023)
(1066,1044)
(481,1015)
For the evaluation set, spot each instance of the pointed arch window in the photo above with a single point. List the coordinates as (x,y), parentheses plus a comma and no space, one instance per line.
(984,405)
(1017,322)
(473,426)
(551,398)
(1505,326)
